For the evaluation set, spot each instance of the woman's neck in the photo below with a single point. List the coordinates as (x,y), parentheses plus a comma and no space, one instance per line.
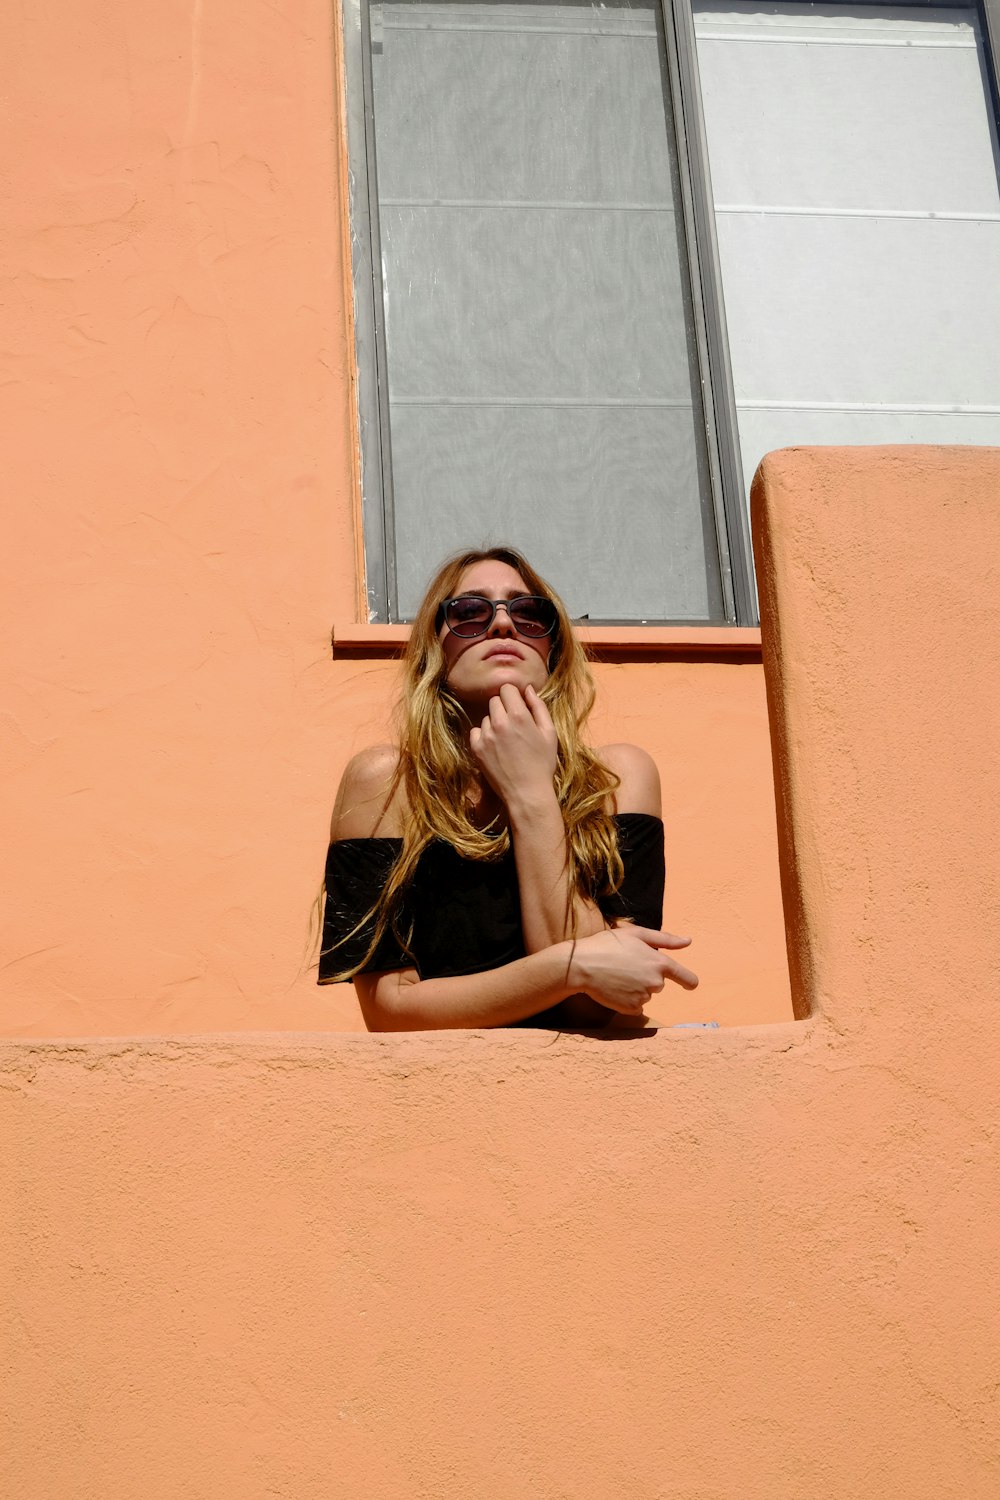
(485,808)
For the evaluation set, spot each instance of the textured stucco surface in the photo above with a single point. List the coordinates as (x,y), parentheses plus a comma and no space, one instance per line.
(745,1265)
(176,394)
(754,1264)
(882,643)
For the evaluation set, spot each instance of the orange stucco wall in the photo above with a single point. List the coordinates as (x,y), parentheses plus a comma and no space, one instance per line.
(751,1264)
(181,534)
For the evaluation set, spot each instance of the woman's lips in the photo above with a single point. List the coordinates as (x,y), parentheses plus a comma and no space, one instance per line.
(511,651)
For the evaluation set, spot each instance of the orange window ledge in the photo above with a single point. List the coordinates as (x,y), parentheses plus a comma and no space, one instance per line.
(604,641)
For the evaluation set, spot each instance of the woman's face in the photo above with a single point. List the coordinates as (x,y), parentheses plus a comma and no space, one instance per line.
(478,668)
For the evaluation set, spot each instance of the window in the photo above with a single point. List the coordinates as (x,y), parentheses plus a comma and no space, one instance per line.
(854,168)
(544,278)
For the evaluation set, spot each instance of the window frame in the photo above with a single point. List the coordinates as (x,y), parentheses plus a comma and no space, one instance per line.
(704,277)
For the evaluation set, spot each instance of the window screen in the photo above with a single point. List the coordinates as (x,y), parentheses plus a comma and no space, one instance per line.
(540,382)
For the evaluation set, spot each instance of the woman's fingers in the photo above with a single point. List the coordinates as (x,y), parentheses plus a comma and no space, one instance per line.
(510,705)
(538,708)
(622,966)
(677,972)
(497,709)
(669,967)
(511,748)
(480,733)
(512,731)
(657,938)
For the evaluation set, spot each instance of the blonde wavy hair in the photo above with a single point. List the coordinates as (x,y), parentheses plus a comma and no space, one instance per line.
(439,776)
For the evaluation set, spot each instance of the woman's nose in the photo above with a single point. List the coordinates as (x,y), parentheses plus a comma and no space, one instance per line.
(502,623)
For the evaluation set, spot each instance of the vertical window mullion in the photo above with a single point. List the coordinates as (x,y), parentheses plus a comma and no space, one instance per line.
(364,235)
(378,311)
(732,522)
(990,18)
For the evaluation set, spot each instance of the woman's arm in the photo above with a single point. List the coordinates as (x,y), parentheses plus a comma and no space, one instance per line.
(516,747)
(618,969)
(539,838)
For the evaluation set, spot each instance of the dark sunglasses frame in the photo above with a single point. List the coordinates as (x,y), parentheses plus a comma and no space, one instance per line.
(509,605)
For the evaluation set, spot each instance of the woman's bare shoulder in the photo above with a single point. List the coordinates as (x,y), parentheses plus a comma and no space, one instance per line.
(369,799)
(636,769)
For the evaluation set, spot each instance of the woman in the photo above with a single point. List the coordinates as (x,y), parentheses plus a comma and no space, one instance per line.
(489,869)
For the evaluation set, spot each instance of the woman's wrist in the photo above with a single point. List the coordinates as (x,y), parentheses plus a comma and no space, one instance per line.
(527,806)
(574,975)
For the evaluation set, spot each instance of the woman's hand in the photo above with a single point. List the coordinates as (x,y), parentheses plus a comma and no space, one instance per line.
(623,966)
(516,746)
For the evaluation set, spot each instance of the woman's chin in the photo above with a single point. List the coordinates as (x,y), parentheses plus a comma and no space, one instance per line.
(513,670)
(489,682)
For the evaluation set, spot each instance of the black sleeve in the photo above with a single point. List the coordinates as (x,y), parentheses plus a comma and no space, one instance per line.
(640,895)
(356,874)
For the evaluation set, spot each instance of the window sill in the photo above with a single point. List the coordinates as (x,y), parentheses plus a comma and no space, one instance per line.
(606,642)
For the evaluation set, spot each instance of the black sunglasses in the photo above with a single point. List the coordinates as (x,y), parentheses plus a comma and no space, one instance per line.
(471,615)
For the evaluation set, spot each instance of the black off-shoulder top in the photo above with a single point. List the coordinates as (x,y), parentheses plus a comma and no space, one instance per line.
(465,913)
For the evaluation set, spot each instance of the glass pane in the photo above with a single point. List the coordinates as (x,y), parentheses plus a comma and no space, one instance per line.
(541,378)
(854,166)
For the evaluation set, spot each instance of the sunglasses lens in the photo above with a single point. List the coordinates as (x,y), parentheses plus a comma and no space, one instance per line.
(533,616)
(469,616)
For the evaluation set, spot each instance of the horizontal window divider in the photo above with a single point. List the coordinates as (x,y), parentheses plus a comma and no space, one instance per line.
(815,38)
(891,408)
(589,205)
(605,641)
(780,210)
(521,28)
(535,401)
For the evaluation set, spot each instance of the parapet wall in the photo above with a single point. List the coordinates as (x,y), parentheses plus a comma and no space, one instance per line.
(752,1264)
